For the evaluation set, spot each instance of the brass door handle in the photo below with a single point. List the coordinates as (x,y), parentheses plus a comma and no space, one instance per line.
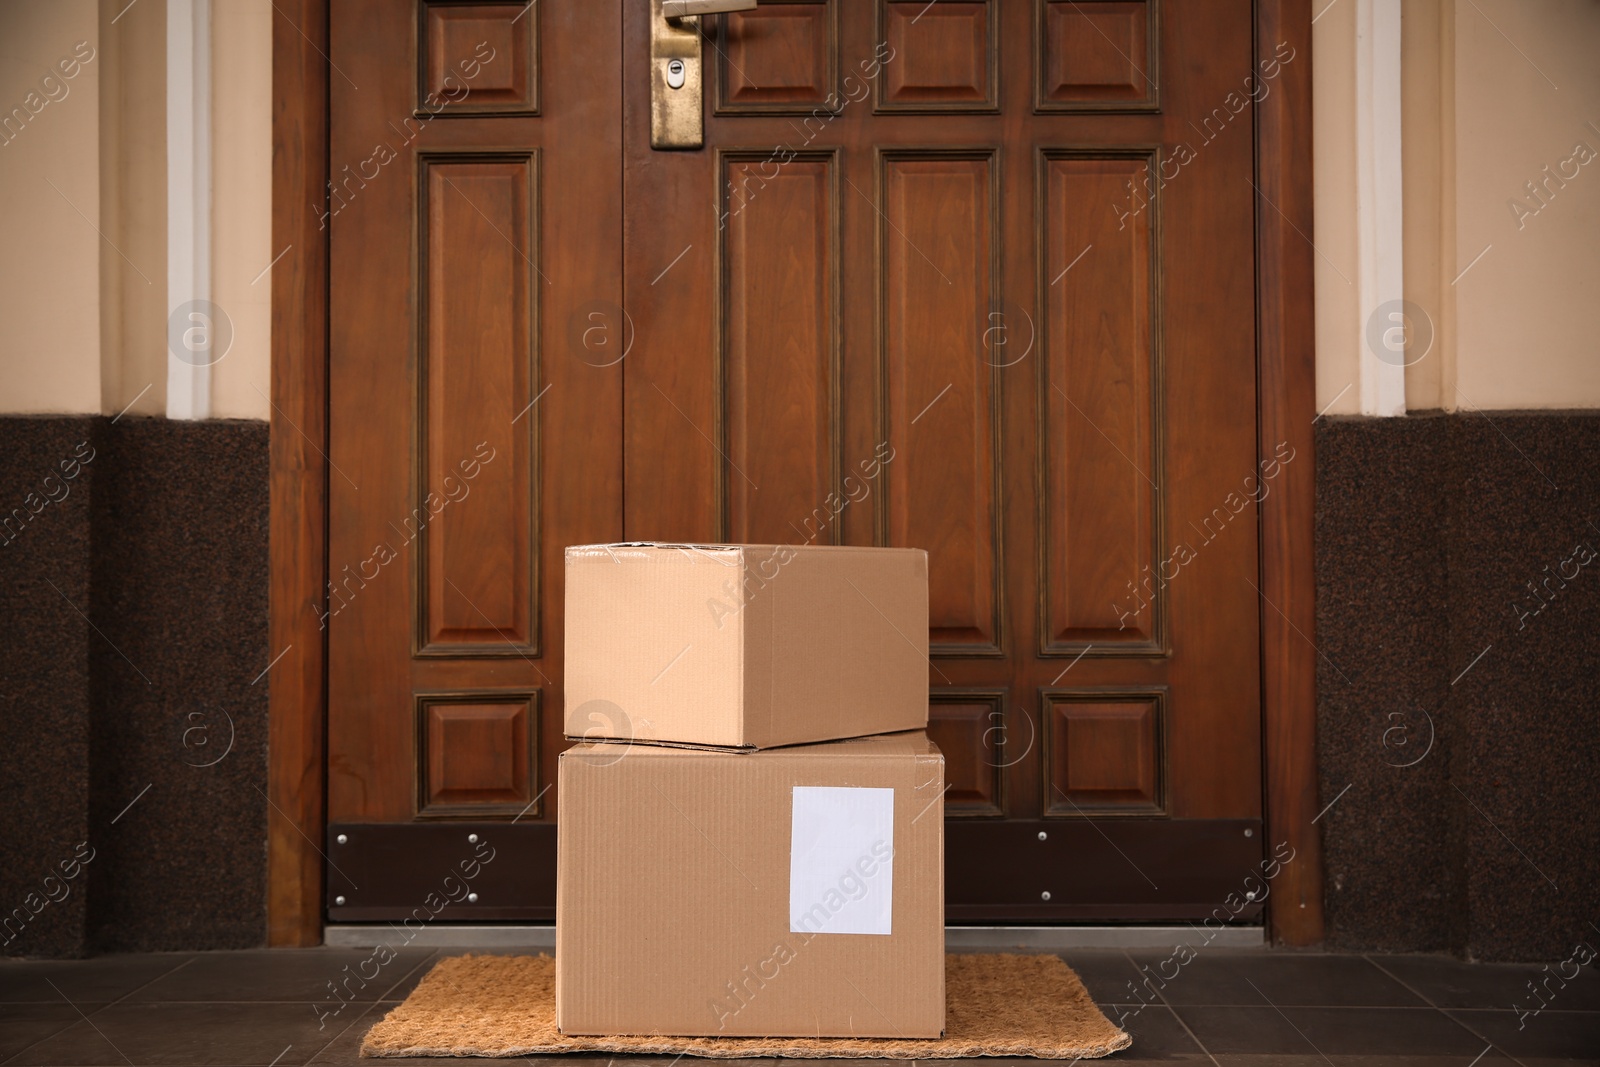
(677,114)
(677,9)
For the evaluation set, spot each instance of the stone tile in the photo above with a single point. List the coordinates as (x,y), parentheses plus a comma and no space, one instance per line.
(1157,1033)
(1328,1031)
(1129,1057)
(1452,983)
(249,1035)
(21,1026)
(250,1008)
(1106,973)
(1489,1059)
(300,975)
(1309,980)
(1550,1034)
(100,980)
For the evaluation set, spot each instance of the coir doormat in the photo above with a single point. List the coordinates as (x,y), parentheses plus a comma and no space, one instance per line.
(995,1005)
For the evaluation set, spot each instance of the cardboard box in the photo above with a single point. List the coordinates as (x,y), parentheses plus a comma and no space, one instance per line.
(794,892)
(745,646)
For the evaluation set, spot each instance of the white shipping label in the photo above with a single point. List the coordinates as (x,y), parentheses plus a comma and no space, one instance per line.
(841,860)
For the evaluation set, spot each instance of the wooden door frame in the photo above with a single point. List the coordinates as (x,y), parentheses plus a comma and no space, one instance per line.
(1286,394)
(297,700)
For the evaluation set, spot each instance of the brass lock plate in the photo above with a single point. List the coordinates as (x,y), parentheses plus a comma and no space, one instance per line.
(677,116)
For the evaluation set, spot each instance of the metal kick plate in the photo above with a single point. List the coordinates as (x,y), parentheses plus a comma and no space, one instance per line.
(677,117)
(443,871)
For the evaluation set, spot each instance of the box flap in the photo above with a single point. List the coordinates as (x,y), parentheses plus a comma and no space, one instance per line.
(913,743)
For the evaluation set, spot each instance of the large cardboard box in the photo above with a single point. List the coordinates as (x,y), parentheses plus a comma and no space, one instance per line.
(745,646)
(792,892)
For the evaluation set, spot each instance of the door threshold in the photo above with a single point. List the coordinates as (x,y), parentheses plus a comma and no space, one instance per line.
(1047,938)
(1055,938)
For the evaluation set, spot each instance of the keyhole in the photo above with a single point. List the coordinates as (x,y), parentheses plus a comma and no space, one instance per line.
(675,74)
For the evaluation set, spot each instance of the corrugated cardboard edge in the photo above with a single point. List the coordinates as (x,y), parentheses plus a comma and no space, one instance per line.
(740,749)
(660,744)
(445,1000)
(611,548)
(764,1048)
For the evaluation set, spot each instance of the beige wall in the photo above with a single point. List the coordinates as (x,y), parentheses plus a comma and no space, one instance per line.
(1493,92)
(1333,124)
(1428,129)
(1527,93)
(133,202)
(49,207)
(83,296)
(241,210)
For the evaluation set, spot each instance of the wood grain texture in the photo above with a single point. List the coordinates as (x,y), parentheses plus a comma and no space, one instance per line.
(947,253)
(1284,272)
(1102,458)
(477,753)
(940,214)
(968,725)
(1105,752)
(1099,55)
(299,473)
(668,432)
(474,386)
(482,58)
(781,58)
(476,283)
(946,56)
(779,342)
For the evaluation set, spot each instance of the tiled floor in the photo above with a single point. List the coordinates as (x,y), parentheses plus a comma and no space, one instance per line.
(1246,1008)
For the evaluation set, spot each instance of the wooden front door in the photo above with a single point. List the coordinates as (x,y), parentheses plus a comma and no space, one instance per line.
(976,277)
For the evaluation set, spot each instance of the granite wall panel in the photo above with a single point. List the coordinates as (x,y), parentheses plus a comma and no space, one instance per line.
(1458,586)
(131,712)
(48,467)
(1459,602)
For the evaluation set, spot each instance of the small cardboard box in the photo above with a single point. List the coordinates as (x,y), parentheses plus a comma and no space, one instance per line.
(745,646)
(794,892)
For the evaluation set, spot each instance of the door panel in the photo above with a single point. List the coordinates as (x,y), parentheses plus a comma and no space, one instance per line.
(475,419)
(1098,354)
(786,56)
(946,56)
(975,277)
(937,246)
(779,350)
(1051,353)
(479,302)
(1099,56)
